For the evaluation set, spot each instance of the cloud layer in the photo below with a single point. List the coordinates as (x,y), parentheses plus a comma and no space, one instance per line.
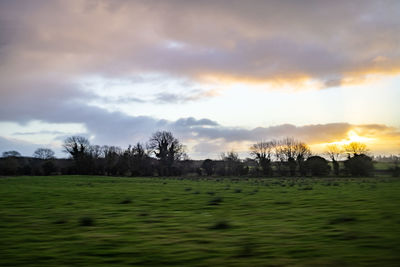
(48,47)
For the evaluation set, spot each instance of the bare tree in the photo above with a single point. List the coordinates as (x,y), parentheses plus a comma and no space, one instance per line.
(262,152)
(76,146)
(79,149)
(43,153)
(292,152)
(334,152)
(167,149)
(232,164)
(355,148)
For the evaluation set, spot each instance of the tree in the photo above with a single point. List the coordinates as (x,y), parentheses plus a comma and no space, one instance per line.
(208,165)
(262,153)
(43,153)
(111,159)
(317,166)
(11,153)
(167,150)
(355,148)
(334,152)
(232,164)
(79,149)
(76,146)
(359,165)
(137,159)
(292,152)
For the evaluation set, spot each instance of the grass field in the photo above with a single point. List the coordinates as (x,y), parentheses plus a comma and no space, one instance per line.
(91,221)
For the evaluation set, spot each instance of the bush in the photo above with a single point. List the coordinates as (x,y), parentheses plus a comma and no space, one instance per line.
(317,166)
(359,165)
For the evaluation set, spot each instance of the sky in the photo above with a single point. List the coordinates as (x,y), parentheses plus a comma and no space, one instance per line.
(220,75)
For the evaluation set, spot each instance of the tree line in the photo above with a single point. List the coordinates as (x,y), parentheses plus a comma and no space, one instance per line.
(164,155)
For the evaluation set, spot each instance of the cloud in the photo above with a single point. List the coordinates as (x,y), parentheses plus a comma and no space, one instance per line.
(39,133)
(247,40)
(192,95)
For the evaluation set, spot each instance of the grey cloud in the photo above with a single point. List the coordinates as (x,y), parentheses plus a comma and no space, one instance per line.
(189,122)
(39,133)
(184,97)
(262,40)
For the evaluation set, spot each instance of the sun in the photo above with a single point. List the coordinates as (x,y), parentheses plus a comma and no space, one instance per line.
(351,136)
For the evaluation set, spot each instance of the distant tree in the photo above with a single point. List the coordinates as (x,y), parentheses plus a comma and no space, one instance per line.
(355,148)
(112,156)
(293,153)
(317,166)
(76,146)
(359,165)
(232,164)
(167,150)
(302,153)
(11,153)
(208,165)
(262,153)
(79,149)
(138,160)
(43,153)
(334,152)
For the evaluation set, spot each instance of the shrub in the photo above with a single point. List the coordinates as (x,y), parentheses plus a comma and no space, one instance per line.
(359,165)
(317,166)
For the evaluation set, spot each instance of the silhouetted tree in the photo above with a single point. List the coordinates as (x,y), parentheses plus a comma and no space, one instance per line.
(334,152)
(43,153)
(111,159)
(208,165)
(359,165)
(167,150)
(232,164)
(355,148)
(317,166)
(79,149)
(293,153)
(262,153)
(138,160)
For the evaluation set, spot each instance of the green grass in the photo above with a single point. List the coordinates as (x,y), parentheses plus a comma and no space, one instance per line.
(92,221)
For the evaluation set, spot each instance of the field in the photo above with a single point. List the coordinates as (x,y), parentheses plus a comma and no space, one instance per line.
(94,221)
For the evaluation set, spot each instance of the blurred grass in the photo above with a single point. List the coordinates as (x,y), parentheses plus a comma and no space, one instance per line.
(90,221)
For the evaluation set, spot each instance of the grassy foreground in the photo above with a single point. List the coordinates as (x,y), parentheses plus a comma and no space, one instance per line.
(91,221)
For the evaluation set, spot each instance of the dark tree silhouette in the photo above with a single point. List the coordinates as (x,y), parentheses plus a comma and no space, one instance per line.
(138,160)
(232,164)
(359,165)
(167,150)
(79,149)
(262,153)
(208,165)
(334,152)
(317,166)
(43,153)
(355,148)
(293,153)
